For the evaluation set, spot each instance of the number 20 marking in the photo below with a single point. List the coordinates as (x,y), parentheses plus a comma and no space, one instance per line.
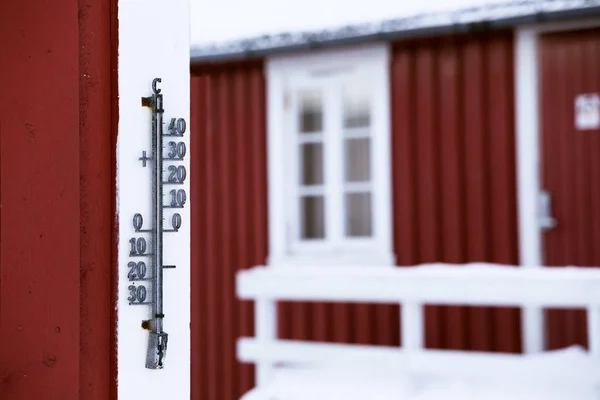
(136,270)
(176,174)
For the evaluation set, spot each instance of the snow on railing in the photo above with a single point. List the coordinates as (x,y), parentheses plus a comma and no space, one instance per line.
(413,287)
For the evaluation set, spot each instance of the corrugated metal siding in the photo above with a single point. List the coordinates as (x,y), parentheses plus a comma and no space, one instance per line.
(570,63)
(454,172)
(229,213)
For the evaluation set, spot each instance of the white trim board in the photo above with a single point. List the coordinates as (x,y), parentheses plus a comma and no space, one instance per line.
(147,52)
(528,156)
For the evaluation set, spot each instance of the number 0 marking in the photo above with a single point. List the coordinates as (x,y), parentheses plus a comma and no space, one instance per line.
(176,221)
(138,221)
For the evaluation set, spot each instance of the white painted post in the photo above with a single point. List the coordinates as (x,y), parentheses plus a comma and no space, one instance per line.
(265,324)
(528,176)
(593,329)
(412,329)
(153,43)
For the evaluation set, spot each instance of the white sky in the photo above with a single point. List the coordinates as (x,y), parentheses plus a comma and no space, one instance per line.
(222,20)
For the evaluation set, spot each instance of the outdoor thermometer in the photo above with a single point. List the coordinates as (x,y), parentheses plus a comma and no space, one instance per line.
(146,265)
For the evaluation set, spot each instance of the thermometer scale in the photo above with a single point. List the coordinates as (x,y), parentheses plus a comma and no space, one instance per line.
(146,275)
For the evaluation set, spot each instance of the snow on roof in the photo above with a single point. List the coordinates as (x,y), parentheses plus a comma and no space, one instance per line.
(229,29)
(225,20)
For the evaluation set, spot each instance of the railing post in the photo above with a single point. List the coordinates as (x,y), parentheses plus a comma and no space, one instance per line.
(265,322)
(411,325)
(593,329)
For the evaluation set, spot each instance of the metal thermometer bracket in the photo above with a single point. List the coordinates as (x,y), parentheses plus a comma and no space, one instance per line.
(138,271)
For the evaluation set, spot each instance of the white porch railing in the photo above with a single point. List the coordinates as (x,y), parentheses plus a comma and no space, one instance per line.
(413,287)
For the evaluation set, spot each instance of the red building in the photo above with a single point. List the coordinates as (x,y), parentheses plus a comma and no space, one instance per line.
(470,140)
(406,142)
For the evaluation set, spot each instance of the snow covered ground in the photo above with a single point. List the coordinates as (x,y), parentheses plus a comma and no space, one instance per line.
(371,383)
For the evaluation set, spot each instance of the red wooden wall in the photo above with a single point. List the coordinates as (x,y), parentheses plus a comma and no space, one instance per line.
(229,229)
(454,201)
(454,172)
(56,197)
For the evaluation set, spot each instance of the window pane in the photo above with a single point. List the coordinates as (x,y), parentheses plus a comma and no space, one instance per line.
(311,159)
(358,214)
(358,160)
(311,112)
(356,105)
(312,211)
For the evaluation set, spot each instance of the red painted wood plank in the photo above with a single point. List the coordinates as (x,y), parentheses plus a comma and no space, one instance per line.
(403,145)
(552,156)
(241,199)
(40,232)
(592,78)
(581,180)
(231,128)
(477,196)
(448,71)
(499,100)
(209,286)
(225,234)
(427,165)
(199,333)
(258,174)
(97,193)
(403,142)
(564,174)
(114,117)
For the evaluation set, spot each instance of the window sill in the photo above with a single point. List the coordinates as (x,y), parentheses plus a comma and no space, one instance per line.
(350,258)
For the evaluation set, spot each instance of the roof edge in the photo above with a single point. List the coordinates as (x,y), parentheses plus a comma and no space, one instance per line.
(475,19)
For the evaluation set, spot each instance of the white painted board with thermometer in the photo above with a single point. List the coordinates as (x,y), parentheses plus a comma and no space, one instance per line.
(153,204)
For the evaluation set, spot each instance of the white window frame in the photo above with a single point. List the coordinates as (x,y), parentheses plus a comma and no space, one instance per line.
(284,74)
